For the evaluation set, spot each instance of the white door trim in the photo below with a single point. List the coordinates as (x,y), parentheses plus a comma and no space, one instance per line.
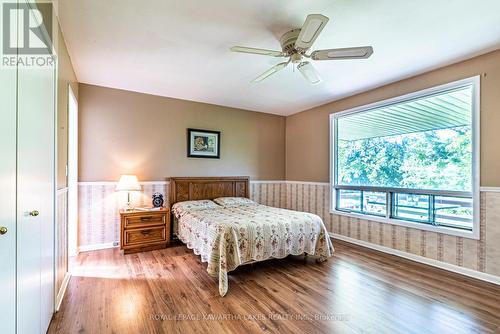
(72,173)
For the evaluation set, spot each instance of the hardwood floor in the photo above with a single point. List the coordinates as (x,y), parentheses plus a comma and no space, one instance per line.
(357,291)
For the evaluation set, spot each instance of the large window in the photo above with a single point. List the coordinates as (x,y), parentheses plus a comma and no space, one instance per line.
(411,160)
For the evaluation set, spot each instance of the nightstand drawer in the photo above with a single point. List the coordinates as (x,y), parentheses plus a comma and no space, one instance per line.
(144,220)
(144,230)
(145,236)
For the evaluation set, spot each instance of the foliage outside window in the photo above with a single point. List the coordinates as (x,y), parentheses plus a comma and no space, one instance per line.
(409,159)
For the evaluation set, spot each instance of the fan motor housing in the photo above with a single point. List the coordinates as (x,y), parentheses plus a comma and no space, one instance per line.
(288,41)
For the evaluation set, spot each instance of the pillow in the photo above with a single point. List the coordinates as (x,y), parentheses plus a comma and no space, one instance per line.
(182,208)
(228,202)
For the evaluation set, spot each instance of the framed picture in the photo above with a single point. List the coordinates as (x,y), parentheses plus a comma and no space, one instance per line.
(203,144)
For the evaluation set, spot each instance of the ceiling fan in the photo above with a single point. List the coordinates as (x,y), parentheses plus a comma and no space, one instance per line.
(296,42)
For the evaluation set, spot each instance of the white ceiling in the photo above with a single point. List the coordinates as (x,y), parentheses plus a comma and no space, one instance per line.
(181,48)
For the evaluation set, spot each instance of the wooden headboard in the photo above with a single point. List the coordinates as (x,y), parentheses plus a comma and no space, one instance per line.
(197,188)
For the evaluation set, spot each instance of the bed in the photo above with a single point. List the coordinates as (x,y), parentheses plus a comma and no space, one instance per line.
(237,231)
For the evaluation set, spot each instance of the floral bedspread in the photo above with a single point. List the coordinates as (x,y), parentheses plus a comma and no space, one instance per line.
(229,237)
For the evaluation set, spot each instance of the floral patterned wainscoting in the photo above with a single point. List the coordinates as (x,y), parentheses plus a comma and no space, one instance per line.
(99,222)
(481,255)
(99,207)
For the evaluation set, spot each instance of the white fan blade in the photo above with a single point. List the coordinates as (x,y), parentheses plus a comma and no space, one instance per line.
(270,71)
(310,31)
(309,72)
(256,51)
(361,52)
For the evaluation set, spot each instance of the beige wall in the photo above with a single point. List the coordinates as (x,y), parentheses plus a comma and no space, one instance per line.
(307,133)
(127,132)
(65,76)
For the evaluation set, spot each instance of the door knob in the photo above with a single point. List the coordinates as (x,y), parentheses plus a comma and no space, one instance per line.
(34,213)
(3,230)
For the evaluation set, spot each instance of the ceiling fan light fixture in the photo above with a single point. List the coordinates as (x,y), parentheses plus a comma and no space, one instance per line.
(309,72)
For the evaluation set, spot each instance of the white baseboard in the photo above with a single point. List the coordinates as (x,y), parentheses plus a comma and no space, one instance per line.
(417,258)
(93,247)
(62,291)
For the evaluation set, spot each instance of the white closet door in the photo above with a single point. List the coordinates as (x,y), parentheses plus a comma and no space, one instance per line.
(8,79)
(35,189)
(35,198)
(27,174)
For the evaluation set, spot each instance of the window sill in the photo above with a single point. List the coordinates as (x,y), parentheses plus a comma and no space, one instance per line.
(474,234)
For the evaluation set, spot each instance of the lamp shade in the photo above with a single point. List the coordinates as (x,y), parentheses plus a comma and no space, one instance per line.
(128,183)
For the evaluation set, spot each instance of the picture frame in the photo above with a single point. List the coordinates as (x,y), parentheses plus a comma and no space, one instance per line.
(203,144)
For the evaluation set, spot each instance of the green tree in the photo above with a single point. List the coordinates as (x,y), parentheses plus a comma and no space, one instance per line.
(435,159)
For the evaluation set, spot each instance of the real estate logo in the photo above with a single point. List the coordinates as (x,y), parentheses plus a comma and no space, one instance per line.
(27,34)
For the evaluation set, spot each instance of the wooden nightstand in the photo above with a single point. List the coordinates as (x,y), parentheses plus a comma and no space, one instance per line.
(144,230)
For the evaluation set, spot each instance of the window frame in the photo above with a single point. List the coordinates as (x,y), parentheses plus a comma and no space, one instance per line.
(475,177)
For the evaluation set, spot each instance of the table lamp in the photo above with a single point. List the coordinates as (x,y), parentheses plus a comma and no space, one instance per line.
(128,183)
